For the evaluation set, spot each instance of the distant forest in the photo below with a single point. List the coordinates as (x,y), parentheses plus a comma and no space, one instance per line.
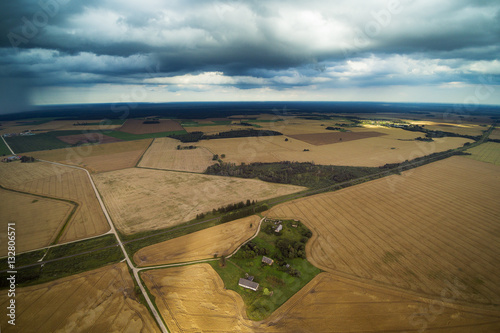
(201,110)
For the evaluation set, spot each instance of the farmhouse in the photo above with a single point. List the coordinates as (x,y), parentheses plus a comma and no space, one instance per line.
(267,260)
(248,284)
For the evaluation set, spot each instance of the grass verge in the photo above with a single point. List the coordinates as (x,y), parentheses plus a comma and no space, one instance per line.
(65,267)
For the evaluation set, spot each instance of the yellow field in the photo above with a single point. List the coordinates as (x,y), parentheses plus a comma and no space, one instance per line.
(59,182)
(327,304)
(37,220)
(417,232)
(459,128)
(163,154)
(102,300)
(98,158)
(143,199)
(193,299)
(395,146)
(220,240)
(486,152)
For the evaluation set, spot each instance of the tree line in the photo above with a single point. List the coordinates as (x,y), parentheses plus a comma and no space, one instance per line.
(197,135)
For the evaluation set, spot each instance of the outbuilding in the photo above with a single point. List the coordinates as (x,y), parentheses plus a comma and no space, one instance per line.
(248,284)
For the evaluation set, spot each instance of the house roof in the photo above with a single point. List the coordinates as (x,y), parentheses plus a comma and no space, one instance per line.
(267,260)
(248,284)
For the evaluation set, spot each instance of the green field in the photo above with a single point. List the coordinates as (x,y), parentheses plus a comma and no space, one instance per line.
(106,252)
(43,141)
(277,283)
(486,152)
(3,149)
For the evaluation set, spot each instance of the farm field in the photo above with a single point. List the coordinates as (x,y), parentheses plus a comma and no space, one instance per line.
(486,152)
(190,304)
(416,232)
(215,128)
(136,126)
(459,128)
(102,300)
(98,158)
(37,220)
(96,138)
(4,150)
(495,134)
(143,199)
(203,304)
(163,154)
(221,240)
(319,139)
(395,146)
(59,182)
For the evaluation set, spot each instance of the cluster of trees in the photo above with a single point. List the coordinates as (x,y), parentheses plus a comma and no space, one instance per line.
(247,211)
(250,251)
(296,173)
(426,139)
(235,206)
(179,147)
(437,134)
(27,159)
(197,136)
(291,249)
(151,121)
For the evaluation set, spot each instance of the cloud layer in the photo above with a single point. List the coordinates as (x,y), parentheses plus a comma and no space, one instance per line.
(184,50)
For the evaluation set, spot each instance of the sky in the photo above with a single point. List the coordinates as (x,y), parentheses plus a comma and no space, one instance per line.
(107,51)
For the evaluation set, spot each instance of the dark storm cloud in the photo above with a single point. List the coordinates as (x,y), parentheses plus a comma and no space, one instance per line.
(282,44)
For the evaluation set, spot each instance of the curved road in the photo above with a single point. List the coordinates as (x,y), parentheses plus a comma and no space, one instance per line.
(127,258)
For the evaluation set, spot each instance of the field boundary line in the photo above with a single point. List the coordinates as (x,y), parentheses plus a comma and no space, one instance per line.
(144,153)
(153,310)
(66,222)
(4,141)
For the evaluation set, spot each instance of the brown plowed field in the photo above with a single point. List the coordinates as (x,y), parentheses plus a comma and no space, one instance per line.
(417,232)
(220,240)
(37,220)
(143,199)
(98,158)
(102,300)
(59,182)
(136,126)
(88,138)
(327,304)
(163,154)
(319,139)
